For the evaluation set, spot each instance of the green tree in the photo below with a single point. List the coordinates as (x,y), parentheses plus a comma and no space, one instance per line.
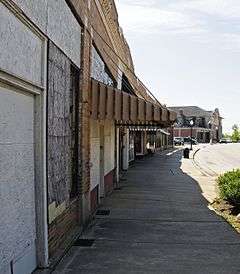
(236,133)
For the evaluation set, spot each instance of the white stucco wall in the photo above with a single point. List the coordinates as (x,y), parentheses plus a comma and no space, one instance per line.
(21,48)
(125,163)
(95,154)
(17,189)
(55,19)
(109,147)
(22,55)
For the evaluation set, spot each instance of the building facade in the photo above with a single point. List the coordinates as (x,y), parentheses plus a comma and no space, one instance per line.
(207,125)
(70,105)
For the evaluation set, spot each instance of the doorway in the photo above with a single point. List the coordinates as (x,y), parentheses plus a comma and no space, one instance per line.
(18,179)
(102,167)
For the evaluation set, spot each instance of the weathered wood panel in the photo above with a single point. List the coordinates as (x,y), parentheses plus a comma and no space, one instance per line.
(102,101)
(141,109)
(94,99)
(110,103)
(156,113)
(118,105)
(172,116)
(149,112)
(133,108)
(164,115)
(125,107)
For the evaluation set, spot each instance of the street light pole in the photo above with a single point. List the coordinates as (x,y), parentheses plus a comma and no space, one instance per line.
(191,125)
(191,138)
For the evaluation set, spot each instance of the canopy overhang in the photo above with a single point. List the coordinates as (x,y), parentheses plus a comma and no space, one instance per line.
(108,103)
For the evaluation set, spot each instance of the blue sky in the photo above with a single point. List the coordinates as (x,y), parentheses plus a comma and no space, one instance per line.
(187,51)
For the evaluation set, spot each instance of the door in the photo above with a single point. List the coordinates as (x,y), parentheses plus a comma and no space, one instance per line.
(138,142)
(120,149)
(131,147)
(17,182)
(102,186)
(95,164)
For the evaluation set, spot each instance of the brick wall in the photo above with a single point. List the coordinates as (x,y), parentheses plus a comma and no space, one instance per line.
(62,227)
(110,40)
(184,132)
(109,182)
(94,199)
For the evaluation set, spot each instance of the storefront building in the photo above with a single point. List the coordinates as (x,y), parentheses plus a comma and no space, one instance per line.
(69,100)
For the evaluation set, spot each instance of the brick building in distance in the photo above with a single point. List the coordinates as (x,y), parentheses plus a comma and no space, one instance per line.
(207,125)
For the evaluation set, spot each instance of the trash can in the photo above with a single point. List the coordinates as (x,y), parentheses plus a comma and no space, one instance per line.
(186,153)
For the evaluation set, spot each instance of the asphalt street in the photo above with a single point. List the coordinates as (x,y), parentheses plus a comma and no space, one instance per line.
(219,158)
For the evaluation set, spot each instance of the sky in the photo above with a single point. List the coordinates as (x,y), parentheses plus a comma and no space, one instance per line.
(187,52)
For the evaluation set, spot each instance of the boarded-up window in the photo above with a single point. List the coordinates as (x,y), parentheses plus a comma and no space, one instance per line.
(62,127)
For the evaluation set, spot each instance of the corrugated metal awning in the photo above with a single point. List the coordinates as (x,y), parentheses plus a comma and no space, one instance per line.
(108,103)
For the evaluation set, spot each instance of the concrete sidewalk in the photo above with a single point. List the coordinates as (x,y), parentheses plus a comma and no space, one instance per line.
(159,222)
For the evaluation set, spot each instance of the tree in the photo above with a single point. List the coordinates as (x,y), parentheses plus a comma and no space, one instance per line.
(236,133)
(227,136)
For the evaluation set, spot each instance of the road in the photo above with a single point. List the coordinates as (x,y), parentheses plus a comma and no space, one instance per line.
(219,158)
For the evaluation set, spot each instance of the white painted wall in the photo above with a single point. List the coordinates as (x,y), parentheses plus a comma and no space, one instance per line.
(21,48)
(117,155)
(126,150)
(95,154)
(23,55)
(109,146)
(109,150)
(55,19)
(17,181)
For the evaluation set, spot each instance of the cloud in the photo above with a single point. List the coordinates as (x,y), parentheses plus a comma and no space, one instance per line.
(223,8)
(207,21)
(231,42)
(138,17)
(136,2)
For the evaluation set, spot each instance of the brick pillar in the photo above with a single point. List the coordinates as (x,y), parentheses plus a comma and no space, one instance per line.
(84,132)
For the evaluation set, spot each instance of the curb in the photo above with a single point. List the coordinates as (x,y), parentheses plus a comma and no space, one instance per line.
(209,173)
(196,152)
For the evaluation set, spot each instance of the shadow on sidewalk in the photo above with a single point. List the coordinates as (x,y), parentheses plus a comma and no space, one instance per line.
(159,222)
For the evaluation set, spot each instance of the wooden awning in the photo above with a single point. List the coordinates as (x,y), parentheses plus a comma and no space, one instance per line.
(108,103)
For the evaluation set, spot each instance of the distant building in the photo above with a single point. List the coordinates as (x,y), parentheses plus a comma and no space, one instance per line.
(207,125)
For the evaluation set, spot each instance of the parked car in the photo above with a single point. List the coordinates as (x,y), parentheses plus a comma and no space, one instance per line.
(188,140)
(194,140)
(178,141)
(225,141)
